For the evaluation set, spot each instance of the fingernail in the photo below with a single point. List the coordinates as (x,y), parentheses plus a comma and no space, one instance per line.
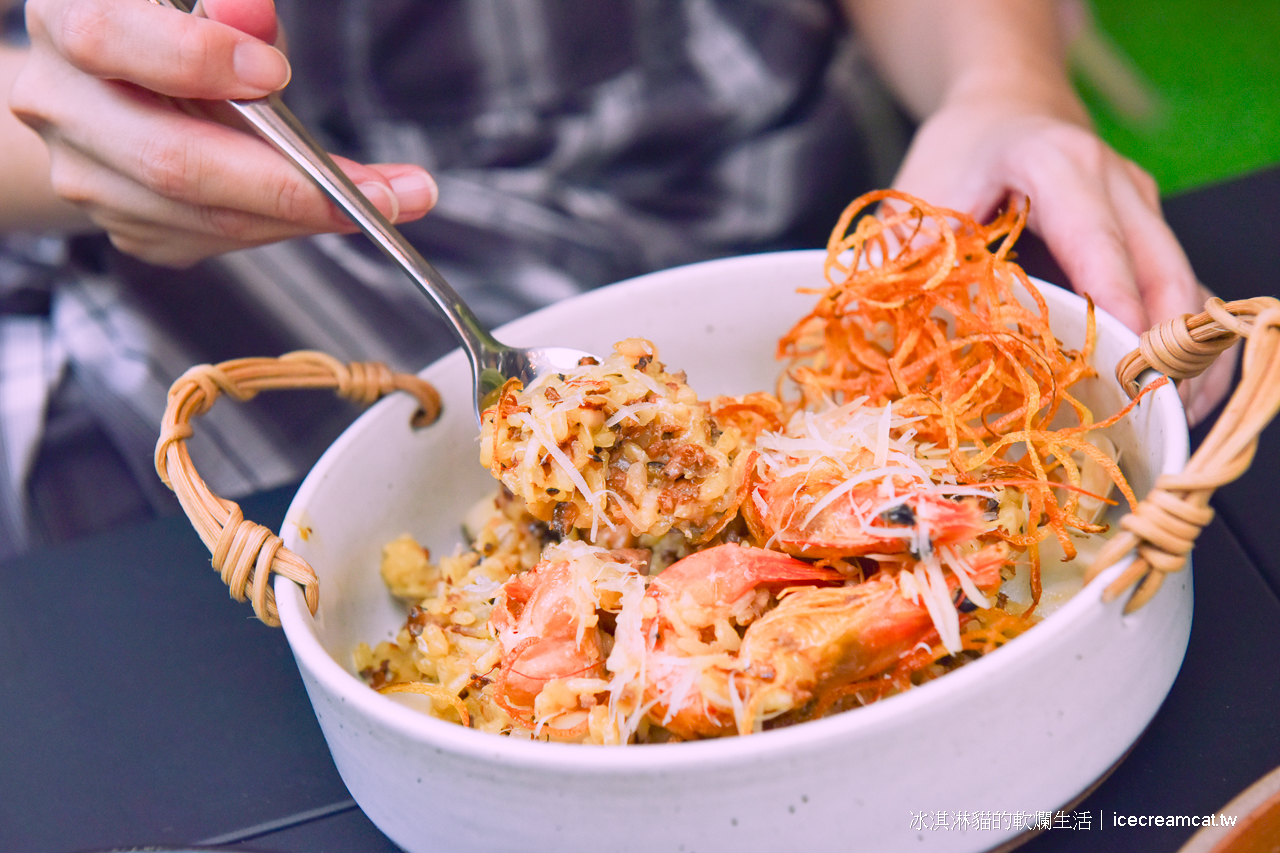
(372,190)
(260,66)
(416,191)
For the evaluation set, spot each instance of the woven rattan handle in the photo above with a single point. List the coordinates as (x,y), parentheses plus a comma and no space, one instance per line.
(1166,523)
(246,553)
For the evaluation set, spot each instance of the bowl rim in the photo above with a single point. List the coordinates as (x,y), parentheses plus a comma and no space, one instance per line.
(300,628)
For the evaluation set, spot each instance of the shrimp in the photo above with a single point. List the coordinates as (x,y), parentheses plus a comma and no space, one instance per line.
(546,620)
(696,591)
(817,634)
(691,609)
(808,519)
(834,635)
(853,480)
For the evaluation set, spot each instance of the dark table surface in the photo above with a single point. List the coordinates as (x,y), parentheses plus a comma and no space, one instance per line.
(140,707)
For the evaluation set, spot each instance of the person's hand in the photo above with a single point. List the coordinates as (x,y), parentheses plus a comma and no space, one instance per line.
(1098,212)
(169,181)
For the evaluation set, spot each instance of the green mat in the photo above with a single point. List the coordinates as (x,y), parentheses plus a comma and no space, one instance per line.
(1214,71)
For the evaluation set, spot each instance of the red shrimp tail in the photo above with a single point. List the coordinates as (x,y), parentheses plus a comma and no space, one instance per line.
(774,567)
(727,572)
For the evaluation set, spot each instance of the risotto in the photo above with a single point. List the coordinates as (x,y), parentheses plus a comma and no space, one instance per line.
(657,567)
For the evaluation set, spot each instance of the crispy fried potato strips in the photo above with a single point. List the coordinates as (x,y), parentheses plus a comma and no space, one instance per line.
(925,308)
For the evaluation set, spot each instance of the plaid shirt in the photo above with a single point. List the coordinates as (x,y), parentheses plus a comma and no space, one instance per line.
(575,143)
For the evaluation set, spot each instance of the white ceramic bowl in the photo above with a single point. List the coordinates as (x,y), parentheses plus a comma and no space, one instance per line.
(1022,731)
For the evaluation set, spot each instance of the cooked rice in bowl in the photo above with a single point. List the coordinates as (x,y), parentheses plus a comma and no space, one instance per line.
(660,567)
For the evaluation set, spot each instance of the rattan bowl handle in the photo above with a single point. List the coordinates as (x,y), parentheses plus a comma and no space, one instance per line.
(245,553)
(1166,523)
